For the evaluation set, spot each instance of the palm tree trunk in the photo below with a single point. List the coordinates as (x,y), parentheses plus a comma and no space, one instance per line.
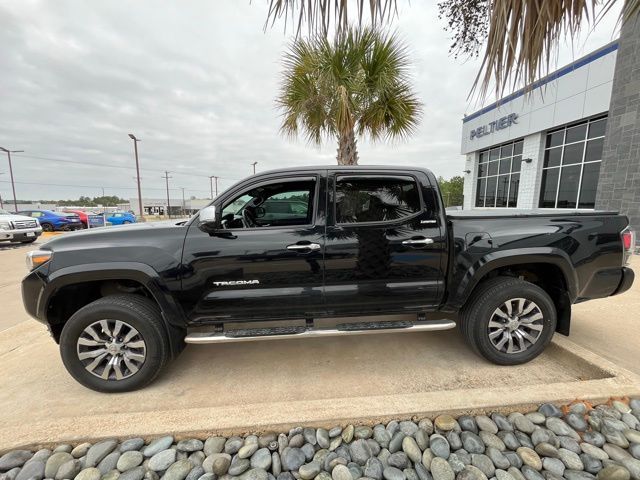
(347,149)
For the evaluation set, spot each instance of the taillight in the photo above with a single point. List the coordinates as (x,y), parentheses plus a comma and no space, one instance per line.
(628,237)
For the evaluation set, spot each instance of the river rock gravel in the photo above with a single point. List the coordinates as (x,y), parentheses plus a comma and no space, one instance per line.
(571,442)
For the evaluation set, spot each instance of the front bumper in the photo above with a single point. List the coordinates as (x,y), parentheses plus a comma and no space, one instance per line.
(625,282)
(33,286)
(20,235)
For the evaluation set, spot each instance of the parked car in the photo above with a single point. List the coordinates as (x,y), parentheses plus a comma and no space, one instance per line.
(88,219)
(120,218)
(18,228)
(372,241)
(51,221)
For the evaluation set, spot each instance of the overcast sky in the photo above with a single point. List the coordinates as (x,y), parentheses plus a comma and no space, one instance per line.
(196,81)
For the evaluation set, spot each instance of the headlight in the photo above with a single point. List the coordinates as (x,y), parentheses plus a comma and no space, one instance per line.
(37,258)
(5,226)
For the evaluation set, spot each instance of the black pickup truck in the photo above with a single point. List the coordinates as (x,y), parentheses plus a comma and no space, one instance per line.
(285,253)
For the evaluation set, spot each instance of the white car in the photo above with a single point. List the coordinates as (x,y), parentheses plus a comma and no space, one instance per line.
(18,228)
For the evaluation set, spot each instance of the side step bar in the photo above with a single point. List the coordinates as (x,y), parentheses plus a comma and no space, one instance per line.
(279,333)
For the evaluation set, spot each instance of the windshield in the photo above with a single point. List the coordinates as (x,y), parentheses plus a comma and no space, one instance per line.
(4,212)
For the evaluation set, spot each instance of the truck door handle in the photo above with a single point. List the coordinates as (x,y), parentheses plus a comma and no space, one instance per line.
(418,241)
(312,247)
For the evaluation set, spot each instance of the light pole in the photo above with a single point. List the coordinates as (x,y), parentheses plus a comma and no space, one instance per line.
(211,177)
(254,167)
(13,186)
(183,214)
(135,149)
(1,205)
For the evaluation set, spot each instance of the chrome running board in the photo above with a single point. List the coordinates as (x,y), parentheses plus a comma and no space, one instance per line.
(279,333)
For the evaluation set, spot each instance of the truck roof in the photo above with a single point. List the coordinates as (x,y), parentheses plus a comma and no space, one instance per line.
(315,168)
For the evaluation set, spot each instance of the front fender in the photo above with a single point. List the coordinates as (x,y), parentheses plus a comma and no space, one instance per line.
(461,286)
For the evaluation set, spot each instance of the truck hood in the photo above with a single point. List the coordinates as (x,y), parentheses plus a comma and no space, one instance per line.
(14,218)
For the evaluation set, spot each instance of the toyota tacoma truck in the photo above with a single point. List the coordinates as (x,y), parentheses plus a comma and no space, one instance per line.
(371,243)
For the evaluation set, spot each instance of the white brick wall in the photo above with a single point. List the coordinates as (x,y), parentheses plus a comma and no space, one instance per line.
(470,183)
(531,173)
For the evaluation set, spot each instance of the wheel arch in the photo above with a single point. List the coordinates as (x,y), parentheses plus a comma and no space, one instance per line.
(71,288)
(549,268)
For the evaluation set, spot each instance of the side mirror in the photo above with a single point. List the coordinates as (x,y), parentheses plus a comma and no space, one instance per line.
(208,219)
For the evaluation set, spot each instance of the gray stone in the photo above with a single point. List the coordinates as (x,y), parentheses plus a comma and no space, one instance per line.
(195,473)
(309,470)
(43,455)
(516,473)
(207,476)
(65,447)
(570,459)
(309,435)
(498,459)
(32,470)
(439,446)
(382,436)
(510,440)
(486,424)
(453,437)
(616,453)
(217,463)
(614,436)
(238,466)
(524,439)
(148,475)
(632,435)
(445,423)
(90,473)
(634,450)
(531,473)
(410,474)
(591,465)
(502,475)
(363,432)
(633,466)
(542,435)
(530,458)
(398,460)
(492,440)
(426,424)
(162,460)
(502,422)
(196,459)
(408,428)
(233,445)
(80,450)
(550,410)
(545,449)
(292,458)
(249,449)
(569,444)
(129,459)
(536,417)
(129,445)
(560,427)
(68,469)
(109,462)
(373,468)
(360,451)
(423,473)
(395,444)
(553,465)
(471,442)
(441,470)
(410,447)
(157,445)
(422,439)
(578,475)
(427,457)
(483,463)
(594,438)
(477,472)
(189,445)
(261,459)
(614,472)
(137,473)
(341,472)
(54,462)
(111,475)
(457,465)
(594,451)
(289,476)
(467,474)
(577,422)
(179,470)
(468,423)
(514,459)
(524,424)
(214,445)
(98,451)
(323,438)
(390,473)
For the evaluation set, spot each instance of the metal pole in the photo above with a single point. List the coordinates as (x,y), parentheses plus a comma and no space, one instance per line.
(135,148)
(183,214)
(211,186)
(1,205)
(13,186)
(216,186)
(254,167)
(167,177)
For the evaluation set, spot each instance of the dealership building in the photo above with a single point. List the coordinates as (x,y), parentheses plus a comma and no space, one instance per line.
(561,143)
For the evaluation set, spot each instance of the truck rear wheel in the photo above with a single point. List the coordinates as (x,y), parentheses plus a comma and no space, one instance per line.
(117,343)
(508,321)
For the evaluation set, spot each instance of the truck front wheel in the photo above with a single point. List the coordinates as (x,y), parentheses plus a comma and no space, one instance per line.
(508,321)
(117,343)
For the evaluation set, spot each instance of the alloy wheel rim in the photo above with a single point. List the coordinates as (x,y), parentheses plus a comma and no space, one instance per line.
(111,349)
(515,326)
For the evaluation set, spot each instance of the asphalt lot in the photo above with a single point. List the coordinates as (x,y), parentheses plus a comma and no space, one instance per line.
(254,385)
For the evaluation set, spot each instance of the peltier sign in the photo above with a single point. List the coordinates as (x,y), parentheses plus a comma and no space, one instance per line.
(499,124)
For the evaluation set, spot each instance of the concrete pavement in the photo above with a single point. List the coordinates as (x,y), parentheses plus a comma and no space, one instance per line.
(236,388)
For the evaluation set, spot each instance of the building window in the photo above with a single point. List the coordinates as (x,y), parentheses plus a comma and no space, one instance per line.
(499,175)
(572,159)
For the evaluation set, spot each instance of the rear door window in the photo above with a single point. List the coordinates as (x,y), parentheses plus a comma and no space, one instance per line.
(366,199)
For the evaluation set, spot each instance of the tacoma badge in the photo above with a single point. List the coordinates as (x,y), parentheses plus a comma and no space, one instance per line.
(236,282)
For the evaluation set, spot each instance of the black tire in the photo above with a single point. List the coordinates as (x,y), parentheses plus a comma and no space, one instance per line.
(479,310)
(46,227)
(137,311)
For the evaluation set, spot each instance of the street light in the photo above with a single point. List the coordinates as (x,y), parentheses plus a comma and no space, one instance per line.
(254,167)
(135,148)
(13,186)
(211,177)
(1,205)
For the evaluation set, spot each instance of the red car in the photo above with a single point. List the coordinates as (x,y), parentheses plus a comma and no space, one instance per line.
(88,217)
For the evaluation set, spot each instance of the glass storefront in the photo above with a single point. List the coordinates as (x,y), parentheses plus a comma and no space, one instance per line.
(499,175)
(572,159)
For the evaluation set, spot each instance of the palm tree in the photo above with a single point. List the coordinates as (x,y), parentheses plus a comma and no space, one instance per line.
(355,85)
(519,37)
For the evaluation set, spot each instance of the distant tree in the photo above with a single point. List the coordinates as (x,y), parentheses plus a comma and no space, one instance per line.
(356,85)
(452,190)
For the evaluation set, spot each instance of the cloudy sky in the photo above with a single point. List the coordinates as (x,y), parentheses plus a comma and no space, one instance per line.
(196,81)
